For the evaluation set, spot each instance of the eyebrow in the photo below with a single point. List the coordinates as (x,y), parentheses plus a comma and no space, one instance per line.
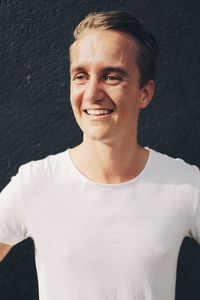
(118,70)
(108,69)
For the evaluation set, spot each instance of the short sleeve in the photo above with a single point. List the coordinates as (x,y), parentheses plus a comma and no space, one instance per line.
(13,228)
(194,231)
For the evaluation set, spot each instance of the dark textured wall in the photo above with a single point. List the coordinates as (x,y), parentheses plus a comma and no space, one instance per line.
(36,118)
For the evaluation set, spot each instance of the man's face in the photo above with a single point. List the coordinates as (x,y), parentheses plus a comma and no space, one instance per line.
(105,93)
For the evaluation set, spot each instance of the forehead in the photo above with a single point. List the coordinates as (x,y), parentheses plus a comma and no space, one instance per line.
(103,47)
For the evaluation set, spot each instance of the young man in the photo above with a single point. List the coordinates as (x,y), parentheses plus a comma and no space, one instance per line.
(107,217)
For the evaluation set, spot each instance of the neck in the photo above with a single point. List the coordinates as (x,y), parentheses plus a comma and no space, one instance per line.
(109,163)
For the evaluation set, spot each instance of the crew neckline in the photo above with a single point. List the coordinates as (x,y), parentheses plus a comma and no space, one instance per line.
(83,177)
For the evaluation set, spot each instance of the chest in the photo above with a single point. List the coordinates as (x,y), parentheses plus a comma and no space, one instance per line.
(127,227)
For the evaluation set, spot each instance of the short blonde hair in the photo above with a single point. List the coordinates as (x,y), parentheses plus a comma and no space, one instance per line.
(134,27)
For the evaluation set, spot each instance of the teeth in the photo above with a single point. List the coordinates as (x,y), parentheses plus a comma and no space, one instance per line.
(97,112)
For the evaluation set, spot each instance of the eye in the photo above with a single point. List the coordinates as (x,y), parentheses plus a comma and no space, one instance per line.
(112,79)
(79,78)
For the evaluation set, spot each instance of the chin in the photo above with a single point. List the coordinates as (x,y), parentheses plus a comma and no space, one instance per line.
(96,136)
(105,139)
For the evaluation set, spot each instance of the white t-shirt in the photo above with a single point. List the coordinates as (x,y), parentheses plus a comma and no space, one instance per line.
(96,241)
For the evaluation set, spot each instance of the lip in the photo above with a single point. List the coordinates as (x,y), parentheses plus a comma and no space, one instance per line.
(98,108)
(98,117)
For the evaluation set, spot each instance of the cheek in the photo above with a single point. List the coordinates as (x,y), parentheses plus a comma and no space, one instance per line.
(116,93)
(75,96)
(119,96)
(74,92)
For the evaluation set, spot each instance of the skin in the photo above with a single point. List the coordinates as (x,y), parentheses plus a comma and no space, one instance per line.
(104,74)
(4,249)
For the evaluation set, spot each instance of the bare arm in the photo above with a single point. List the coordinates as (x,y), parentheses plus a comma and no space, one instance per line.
(4,249)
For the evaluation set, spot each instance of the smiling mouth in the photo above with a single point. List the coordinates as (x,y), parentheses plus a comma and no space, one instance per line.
(98,112)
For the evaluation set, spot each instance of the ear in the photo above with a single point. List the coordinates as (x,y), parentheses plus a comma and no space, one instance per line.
(147,94)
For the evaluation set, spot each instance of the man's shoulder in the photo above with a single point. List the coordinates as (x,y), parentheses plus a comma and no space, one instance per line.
(43,165)
(175,168)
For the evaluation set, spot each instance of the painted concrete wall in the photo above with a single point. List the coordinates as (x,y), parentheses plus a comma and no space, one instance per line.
(36,118)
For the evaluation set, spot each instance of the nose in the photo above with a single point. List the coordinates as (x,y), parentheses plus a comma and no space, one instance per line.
(94,90)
